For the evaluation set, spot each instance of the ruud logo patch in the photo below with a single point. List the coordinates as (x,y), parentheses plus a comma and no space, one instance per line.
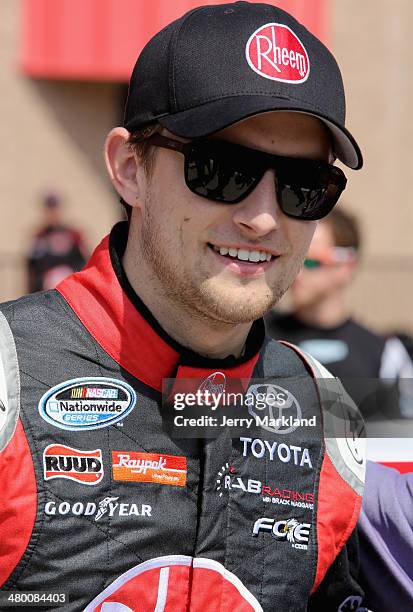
(61,461)
(275,52)
(87,403)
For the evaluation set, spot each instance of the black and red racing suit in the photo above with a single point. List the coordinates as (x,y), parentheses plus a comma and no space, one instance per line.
(101,503)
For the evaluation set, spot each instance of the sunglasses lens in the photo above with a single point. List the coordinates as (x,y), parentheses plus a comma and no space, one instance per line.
(210,175)
(311,264)
(304,203)
(227,173)
(306,190)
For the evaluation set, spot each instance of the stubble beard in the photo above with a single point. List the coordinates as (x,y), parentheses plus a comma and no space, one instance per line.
(206,298)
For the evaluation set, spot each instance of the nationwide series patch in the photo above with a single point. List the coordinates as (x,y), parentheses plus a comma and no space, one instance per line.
(61,461)
(87,403)
(149,467)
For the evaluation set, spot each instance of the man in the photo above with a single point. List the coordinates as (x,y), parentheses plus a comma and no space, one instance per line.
(56,249)
(233,117)
(375,371)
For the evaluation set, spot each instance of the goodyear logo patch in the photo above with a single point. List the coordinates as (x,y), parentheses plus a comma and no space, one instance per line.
(82,404)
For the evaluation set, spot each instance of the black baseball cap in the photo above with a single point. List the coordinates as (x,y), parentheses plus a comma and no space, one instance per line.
(220,64)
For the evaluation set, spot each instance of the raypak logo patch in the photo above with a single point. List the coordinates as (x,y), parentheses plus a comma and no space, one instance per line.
(87,403)
(149,467)
(275,52)
(61,461)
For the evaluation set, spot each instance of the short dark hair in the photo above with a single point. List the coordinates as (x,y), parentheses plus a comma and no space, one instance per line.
(138,141)
(345,228)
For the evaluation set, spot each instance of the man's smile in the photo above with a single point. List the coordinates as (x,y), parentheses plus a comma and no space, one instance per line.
(244,260)
(244,253)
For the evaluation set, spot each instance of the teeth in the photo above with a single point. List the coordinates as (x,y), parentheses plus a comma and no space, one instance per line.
(244,254)
(254,256)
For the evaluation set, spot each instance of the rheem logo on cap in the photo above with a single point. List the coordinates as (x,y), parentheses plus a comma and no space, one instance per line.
(275,52)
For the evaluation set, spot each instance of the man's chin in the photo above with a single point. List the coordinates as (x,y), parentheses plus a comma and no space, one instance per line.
(236,307)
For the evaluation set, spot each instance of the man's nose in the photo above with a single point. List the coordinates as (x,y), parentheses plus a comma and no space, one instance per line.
(259,214)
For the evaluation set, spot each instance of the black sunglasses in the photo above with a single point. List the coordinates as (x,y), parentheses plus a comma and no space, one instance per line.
(227,173)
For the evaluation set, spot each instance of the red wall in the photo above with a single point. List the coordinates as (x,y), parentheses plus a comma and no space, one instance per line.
(101,39)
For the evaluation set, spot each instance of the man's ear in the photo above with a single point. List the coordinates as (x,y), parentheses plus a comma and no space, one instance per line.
(122,166)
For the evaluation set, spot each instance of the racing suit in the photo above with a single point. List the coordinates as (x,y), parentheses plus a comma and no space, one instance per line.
(104,505)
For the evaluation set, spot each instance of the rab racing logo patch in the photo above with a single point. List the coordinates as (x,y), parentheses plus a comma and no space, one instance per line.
(61,461)
(81,404)
(275,52)
(149,467)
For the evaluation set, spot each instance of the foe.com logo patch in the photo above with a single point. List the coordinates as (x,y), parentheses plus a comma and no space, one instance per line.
(288,530)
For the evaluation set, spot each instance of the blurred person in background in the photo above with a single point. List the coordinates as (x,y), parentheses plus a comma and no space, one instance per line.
(321,323)
(56,249)
(386,543)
